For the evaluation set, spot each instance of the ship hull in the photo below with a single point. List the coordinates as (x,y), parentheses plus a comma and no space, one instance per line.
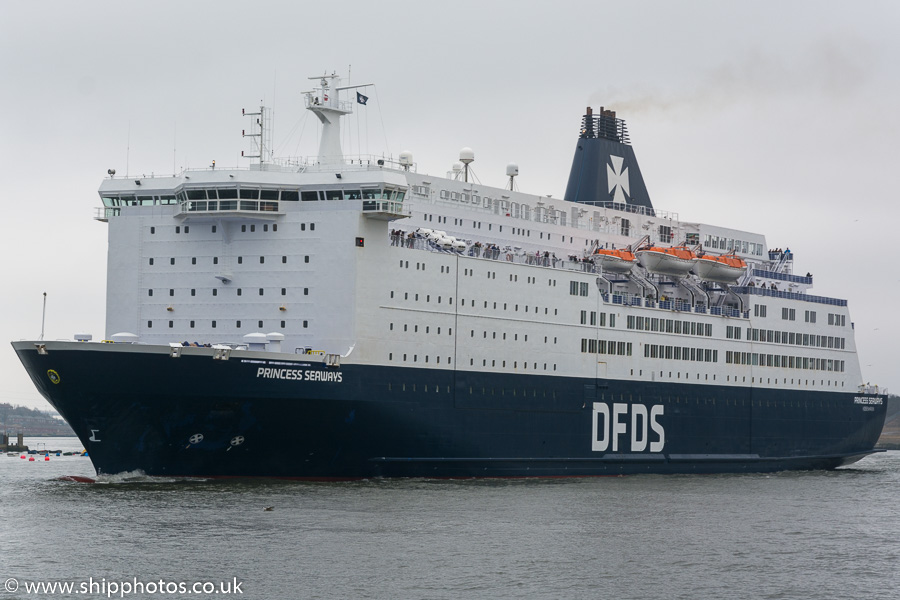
(137,408)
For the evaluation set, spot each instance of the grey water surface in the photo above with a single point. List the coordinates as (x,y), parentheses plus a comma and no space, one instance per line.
(817,535)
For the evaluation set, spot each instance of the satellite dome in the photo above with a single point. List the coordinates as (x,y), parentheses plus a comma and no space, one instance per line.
(457,167)
(466,155)
(406,158)
(512,169)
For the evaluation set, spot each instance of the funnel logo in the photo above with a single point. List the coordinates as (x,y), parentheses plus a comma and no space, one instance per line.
(618,179)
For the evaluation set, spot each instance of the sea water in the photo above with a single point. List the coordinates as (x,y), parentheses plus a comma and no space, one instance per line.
(815,534)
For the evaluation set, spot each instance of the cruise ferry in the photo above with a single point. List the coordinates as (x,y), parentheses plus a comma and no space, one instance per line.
(347,317)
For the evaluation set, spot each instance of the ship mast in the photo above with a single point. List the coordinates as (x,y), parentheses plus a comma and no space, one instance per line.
(324,102)
(260,129)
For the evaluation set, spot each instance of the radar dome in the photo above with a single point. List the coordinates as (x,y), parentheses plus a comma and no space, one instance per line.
(406,158)
(512,169)
(466,155)
(457,167)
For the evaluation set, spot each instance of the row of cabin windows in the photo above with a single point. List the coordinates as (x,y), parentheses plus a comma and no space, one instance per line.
(213,324)
(477,225)
(243,193)
(515,210)
(415,328)
(680,353)
(606,347)
(240,260)
(244,228)
(427,297)
(240,292)
(669,326)
(788,314)
(578,288)
(484,363)
(788,362)
(723,243)
(415,358)
(793,338)
(836,319)
(593,318)
(472,303)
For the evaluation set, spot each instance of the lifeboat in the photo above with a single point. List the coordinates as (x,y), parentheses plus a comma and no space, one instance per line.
(726,268)
(614,261)
(675,261)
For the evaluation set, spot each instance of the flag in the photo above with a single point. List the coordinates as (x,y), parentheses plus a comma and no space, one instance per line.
(361,99)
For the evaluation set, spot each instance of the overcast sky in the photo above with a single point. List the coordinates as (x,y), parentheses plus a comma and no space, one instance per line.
(775,117)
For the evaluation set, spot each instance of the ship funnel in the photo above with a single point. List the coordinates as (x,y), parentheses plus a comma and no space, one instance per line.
(604,170)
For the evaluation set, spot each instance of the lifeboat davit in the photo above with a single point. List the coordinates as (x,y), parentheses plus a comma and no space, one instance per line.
(675,261)
(726,268)
(614,261)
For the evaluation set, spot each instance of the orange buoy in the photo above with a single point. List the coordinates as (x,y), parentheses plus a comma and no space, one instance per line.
(30,459)
(46,458)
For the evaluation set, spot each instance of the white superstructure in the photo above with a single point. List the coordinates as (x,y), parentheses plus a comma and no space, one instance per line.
(373,262)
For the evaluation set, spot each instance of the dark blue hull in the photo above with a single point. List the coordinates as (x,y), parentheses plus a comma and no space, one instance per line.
(137,409)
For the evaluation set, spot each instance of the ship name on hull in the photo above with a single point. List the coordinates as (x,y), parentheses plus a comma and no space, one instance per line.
(868,400)
(614,427)
(299,374)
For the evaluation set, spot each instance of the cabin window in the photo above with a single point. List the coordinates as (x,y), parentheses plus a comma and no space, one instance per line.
(309,196)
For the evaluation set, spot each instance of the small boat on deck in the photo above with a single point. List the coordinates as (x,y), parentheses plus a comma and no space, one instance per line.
(614,261)
(726,268)
(676,261)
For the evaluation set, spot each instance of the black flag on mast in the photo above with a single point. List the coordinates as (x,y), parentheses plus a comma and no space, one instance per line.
(361,99)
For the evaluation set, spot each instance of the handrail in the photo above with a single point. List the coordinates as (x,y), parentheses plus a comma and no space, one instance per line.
(760,291)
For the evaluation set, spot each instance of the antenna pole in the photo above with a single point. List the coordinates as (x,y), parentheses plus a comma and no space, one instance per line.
(128,149)
(43,316)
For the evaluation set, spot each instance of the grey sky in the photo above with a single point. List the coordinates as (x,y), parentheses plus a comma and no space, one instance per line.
(774,117)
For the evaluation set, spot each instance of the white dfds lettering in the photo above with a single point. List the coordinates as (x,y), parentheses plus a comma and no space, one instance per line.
(299,374)
(607,434)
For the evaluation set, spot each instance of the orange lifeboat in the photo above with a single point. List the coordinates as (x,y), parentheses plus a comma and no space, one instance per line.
(614,261)
(675,261)
(726,268)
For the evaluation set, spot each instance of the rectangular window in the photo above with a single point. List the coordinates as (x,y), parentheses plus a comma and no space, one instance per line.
(306,259)
(215,292)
